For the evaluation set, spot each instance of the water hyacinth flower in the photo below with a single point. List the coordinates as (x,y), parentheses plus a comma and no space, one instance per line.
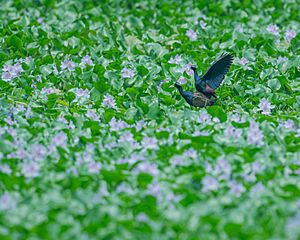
(282,60)
(154,189)
(273,29)
(255,135)
(289,35)
(232,132)
(209,184)
(117,125)
(202,24)
(91,113)
(139,125)
(4,168)
(109,102)
(81,95)
(243,61)
(150,143)
(204,117)
(191,35)
(288,124)
(30,169)
(127,73)
(181,80)
(86,60)
(11,72)
(265,106)
(236,188)
(94,167)
(149,168)
(7,202)
(67,64)
(176,60)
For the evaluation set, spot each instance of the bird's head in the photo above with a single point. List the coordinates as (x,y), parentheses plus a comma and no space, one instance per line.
(193,67)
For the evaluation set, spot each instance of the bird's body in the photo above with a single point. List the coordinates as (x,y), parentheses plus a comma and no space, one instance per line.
(196,99)
(213,78)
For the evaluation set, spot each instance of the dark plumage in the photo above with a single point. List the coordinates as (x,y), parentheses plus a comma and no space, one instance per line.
(196,99)
(213,78)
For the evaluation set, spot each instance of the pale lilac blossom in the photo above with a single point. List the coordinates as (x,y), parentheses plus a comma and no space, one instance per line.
(154,189)
(255,135)
(204,117)
(236,188)
(273,29)
(7,202)
(30,169)
(86,60)
(176,60)
(109,102)
(127,73)
(94,167)
(11,72)
(243,61)
(181,80)
(91,113)
(288,124)
(117,125)
(191,35)
(139,125)
(67,64)
(149,143)
(5,168)
(209,184)
(282,60)
(142,217)
(146,167)
(265,106)
(202,24)
(289,35)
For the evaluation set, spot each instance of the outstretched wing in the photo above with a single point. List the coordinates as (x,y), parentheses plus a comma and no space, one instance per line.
(216,73)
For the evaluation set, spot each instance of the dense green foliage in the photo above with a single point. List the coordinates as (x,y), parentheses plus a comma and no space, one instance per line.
(95,143)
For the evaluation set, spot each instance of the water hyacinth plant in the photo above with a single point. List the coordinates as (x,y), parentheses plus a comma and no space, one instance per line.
(96,144)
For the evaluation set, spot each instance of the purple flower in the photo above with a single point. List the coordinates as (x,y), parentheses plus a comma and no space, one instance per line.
(181,80)
(4,168)
(255,136)
(202,24)
(154,189)
(209,184)
(127,73)
(40,20)
(265,106)
(236,188)
(123,188)
(146,167)
(177,161)
(67,64)
(149,143)
(81,94)
(282,60)
(91,113)
(176,60)
(139,125)
(192,153)
(7,202)
(191,35)
(142,217)
(109,102)
(94,167)
(243,61)
(126,137)
(204,117)
(30,169)
(288,124)
(11,71)
(116,125)
(289,35)
(273,29)
(86,60)
(60,140)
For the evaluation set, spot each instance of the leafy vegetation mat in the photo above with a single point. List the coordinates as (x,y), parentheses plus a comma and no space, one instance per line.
(96,143)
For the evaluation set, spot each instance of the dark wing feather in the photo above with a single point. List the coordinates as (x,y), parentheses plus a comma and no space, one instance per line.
(200,100)
(216,73)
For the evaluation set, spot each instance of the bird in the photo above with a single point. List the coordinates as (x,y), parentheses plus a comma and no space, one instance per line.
(212,79)
(195,99)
